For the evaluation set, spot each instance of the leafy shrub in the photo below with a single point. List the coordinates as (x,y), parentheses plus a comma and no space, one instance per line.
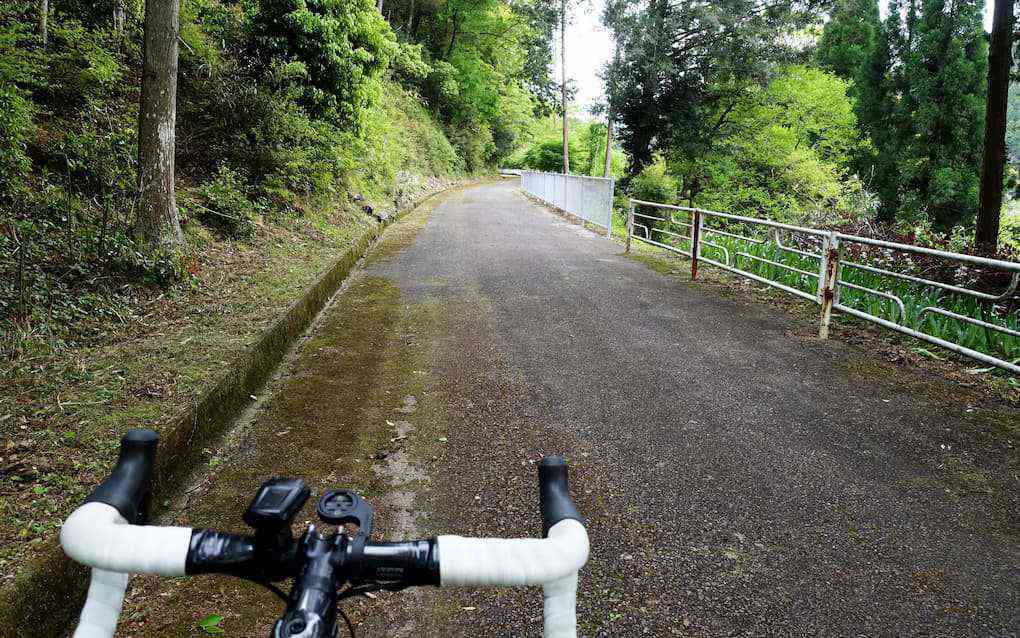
(16,127)
(226,205)
(340,43)
(547,156)
(98,159)
(441,87)
(81,68)
(409,64)
(473,139)
(1009,229)
(653,185)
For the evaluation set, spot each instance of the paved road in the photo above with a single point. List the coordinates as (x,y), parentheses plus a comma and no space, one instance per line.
(740,477)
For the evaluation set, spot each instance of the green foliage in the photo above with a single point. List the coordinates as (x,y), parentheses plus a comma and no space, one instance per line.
(284,107)
(226,205)
(1009,229)
(99,159)
(787,153)
(409,63)
(652,184)
(817,108)
(1013,124)
(547,155)
(325,49)
(676,100)
(849,37)
(587,149)
(16,127)
(944,74)
(400,139)
(920,82)
(80,68)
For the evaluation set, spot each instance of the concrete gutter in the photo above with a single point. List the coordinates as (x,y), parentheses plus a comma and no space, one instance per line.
(46,595)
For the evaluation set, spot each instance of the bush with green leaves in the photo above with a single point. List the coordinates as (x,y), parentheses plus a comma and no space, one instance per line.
(81,68)
(16,127)
(653,184)
(226,206)
(327,50)
(787,153)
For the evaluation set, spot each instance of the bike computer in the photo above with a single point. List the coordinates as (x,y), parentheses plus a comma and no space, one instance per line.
(276,503)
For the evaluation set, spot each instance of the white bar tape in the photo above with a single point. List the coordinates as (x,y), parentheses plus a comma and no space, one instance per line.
(97,535)
(102,606)
(553,562)
(560,615)
(517,561)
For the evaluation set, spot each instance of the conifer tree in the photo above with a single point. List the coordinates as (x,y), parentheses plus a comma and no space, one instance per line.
(944,71)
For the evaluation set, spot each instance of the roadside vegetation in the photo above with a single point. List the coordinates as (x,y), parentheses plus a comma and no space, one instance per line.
(297,127)
(831,117)
(285,110)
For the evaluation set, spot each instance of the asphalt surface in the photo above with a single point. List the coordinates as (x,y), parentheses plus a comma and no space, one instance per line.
(739,476)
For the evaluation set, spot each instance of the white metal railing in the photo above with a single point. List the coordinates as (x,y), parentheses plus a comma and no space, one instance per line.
(590,198)
(824,252)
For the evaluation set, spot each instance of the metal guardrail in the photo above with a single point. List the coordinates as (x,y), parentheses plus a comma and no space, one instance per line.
(590,198)
(827,248)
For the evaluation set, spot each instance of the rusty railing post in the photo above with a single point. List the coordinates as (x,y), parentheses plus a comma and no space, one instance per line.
(828,281)
(630,225)
(696,222)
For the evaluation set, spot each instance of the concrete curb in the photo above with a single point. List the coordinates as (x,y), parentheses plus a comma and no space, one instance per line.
(47,593)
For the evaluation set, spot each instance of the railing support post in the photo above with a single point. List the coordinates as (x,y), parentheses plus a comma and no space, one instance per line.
(828,281)
(630,226)
(695,242)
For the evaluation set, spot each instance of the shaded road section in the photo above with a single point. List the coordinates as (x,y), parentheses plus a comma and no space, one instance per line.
(740,477)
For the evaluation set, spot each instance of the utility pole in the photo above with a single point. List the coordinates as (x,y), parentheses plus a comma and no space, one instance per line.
(1000,61)
(563,67)
(607,169)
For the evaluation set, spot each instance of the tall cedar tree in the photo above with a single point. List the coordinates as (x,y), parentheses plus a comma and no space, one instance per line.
(1000,60)
(918,80)
(855,46)
(943,74)
(848,39)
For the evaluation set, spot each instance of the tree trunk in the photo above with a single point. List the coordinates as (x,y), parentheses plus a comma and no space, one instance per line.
(453,37)
(609,146)
(157,222)
(380,7)
(118,18)
(410,17)
(563,67)
(1000,60)
(44,16)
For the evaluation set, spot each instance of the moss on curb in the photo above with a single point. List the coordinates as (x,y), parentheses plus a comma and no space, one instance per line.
(47,592)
